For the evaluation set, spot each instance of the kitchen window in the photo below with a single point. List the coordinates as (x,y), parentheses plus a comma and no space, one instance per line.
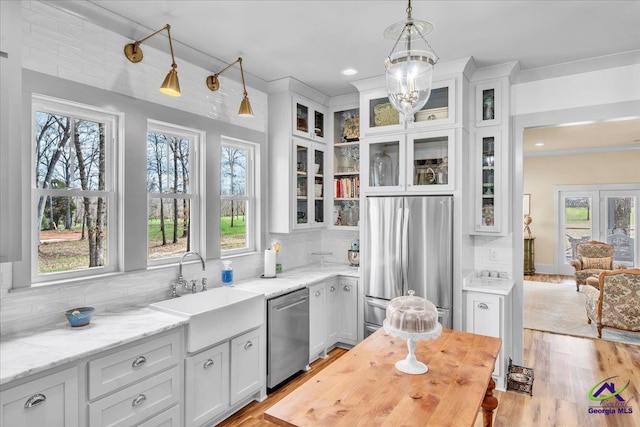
(74,190)
(238,201)
(172,190)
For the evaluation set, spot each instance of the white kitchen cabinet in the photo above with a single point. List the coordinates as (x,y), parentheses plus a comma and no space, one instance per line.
(491,186)
(347,311)
(308,119)
(207,384)
(172,417)
(317,321)
(309,184)
(379,116)
(52,400)
(490,314)
(247,371)
(333,311)
(345,209)
(141,400)
(413,162)
(126,366)
(488,103)
(297,132)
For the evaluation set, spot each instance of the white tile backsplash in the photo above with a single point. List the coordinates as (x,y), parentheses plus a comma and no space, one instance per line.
(500,247)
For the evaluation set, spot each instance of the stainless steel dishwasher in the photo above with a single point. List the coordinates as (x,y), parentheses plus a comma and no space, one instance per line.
(288,336)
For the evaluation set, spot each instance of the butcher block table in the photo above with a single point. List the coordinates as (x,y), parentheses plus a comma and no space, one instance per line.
(363,387)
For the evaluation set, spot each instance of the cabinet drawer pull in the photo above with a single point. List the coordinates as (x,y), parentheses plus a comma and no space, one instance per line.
(139,361)
(35,400)
(483,306)
(249,344)
(346,288)
(208,363)
(318,293)
(139,400)
(332,288)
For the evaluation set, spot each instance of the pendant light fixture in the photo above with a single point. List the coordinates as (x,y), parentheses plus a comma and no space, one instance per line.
(409,71)
(133,52)
(213,83)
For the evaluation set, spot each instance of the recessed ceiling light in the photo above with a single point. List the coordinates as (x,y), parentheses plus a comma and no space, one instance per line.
(349,72)
(539,144)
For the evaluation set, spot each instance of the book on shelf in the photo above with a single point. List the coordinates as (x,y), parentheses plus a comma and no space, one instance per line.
(347,187)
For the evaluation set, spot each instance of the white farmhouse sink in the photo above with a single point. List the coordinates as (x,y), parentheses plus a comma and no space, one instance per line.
(215,315)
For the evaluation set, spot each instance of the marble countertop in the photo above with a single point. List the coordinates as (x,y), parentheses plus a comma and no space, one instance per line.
(487,285)
(37,350)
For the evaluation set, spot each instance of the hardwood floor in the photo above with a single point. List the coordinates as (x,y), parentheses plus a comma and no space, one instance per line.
(566,368)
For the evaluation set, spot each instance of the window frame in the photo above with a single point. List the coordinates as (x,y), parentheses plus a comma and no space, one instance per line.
(113,191)
(196,185)
(252,221)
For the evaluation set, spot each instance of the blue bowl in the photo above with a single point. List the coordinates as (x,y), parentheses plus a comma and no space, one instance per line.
(79,316)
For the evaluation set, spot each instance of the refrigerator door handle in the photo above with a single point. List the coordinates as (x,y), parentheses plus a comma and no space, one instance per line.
(400,243)
(405,251)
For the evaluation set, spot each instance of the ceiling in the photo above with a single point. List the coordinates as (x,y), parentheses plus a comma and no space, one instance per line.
(313,41)
(613,134)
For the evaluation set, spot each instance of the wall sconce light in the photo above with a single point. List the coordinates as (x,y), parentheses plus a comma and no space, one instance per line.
(214,84)
(133,52)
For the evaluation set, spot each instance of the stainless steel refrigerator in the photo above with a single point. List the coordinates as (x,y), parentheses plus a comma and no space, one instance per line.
(408,245)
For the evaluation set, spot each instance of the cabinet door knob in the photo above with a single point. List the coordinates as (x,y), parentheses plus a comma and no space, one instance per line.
(208,363)
(483,306)
(249,344)
(35,400)
(139,361)
(139,400)
(318,293)
(347,288)
(332,289)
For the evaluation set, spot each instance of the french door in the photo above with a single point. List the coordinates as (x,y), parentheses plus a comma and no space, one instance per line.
(607,213)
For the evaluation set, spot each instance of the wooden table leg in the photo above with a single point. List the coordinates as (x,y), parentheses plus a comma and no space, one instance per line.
(489,404)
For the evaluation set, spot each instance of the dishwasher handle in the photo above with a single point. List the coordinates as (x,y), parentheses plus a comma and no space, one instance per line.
(290,304)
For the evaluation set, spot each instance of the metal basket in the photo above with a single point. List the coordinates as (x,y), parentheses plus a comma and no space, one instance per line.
(520,378)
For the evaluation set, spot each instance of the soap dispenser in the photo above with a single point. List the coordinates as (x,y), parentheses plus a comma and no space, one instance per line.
(227,273)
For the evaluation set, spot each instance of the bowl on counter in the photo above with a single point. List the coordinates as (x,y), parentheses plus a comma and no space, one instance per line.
(80,316)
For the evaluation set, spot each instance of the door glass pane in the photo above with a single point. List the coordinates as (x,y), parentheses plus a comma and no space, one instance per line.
(437,107)
(319,124)
(318,188)
(302,184)
(621,213)
(384,160)
(302,118)
(577,224)
(430,165)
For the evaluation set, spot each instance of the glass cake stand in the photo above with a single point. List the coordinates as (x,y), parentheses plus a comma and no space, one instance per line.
(411,365)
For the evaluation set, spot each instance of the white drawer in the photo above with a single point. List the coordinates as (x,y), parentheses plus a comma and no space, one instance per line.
(172,417)
(133,404)
(129,365)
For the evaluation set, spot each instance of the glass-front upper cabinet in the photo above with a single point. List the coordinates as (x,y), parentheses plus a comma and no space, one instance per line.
(382,117)
(384,159)
(308,119)
(430,162)
(309,191)
(439,109)
(490,191)
(488,103)
(346,168)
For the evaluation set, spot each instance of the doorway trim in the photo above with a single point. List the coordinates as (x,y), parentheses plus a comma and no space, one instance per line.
(520,123)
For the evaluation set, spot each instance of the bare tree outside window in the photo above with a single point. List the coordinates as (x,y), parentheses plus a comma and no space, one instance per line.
(234,197)
(72,195)
(169,195)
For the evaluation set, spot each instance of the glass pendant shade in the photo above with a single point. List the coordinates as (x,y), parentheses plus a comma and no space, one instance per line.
(409,75)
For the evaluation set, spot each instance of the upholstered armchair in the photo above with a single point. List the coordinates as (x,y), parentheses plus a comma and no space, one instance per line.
(617,303)
(593,258)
